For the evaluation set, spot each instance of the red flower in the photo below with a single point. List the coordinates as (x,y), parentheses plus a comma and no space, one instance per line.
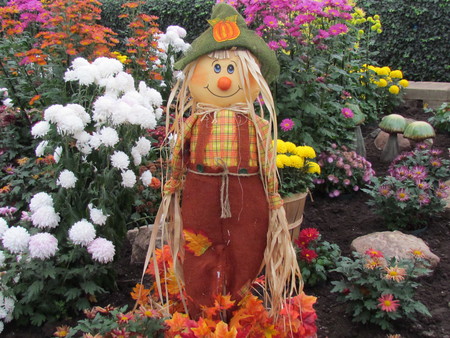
(308,255)
(374,253)
(307,235)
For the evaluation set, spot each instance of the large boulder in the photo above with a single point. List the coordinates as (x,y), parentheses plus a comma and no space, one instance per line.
(394,244)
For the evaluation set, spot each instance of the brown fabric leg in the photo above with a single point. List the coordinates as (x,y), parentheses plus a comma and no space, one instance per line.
(238,243)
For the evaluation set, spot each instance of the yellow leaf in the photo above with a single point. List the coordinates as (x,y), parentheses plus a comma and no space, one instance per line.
(223,332)
(196,243)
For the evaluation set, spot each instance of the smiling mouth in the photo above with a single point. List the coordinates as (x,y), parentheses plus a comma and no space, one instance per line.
(222,96)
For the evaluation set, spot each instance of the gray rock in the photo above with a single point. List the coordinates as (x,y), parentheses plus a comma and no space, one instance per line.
(139,239)
(394,244)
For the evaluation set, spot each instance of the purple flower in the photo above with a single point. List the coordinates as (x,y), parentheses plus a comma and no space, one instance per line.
(424,199)
(273,45)
(287,125)
(347,112)
(303,18)
(338,29)
(435,152)
(322,34)
(334,193)
(401,173)
(7,211)
(356,188)
(402,195)
(346,181)
(441,193)
(422,185)
(384,190)
(271,21)
(436,162)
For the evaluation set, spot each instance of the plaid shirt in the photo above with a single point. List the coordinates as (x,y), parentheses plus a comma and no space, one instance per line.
(223,144)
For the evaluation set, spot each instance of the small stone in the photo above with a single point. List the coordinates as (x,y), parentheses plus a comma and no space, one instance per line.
(394,244)
(382,137)
(139,239)
(447,200)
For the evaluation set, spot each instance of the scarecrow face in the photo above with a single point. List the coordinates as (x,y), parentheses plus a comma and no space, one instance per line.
(217,81)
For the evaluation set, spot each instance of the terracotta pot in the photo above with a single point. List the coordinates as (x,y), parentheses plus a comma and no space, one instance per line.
(294,206)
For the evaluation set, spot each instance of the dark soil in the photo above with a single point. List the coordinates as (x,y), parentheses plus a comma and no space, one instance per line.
(339,220)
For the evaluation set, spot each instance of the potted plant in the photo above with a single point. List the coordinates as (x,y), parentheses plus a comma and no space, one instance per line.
(297,172)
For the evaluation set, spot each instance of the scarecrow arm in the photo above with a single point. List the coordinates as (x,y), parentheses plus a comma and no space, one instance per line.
(180,157)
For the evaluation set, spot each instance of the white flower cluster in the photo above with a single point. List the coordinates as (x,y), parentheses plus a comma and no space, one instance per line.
(43,214)
(6,310)
(173,38)
(4,99)
(67,179)
(83,233)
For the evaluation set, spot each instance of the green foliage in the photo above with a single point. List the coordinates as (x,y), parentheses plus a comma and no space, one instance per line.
(441,117)
(414,190)
(366,280)
(191,15)
(117,322)
(414,37)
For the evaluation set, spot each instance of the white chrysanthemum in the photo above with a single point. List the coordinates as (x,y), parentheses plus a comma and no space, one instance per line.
(109,136)
(132,98)
(121,83)
(80,112)
(86,74)
(3,226)
(128,179)
(142,116)
(103,107)
(120,160)
(67,179)
(68,122)
(158,113)
(45,217)
(137,158)
(52,112)
(70,75)
(57,153)
(2,259)
(146,177)
(181,32)
(95,140)
(107,66)
(143,145)
(39,200)
(40,129)
(79,62)
(97,215)
(42,245)
(120,113)
(40,149)
(15,239)
(102,250)
(8,102)
(82,232)
(151,96)
(82,143)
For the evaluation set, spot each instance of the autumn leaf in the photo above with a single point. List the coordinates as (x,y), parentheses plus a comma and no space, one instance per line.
(177,323)
(305,302)
(196,243)
(224,302)
(223,332)
(203,330)
(141,298)
(238,316)
(270,331)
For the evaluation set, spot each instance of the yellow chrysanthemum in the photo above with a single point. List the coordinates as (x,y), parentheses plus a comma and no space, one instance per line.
(313,168)
(394,89)
(279,162)
(281,147)
(297,161)
(404,83)
(305,151)
(381,83)
(286,160)
(396,74)
(376,17)
(290,147)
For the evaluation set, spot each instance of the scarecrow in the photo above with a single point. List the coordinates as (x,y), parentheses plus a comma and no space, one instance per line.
(221,210)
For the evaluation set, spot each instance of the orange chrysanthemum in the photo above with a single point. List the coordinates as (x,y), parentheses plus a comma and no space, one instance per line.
(395,273)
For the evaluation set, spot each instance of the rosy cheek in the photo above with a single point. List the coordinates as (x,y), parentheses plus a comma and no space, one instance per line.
(199,78)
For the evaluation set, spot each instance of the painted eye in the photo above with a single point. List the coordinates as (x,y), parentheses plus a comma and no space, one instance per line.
(217,68)
(230,69)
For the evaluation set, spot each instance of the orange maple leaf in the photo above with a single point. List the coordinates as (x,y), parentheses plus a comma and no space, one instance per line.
(223,302)
(203,329)
(305,302)
(177,323)
(141,298)
(238,316)
(197,243)
(223,332)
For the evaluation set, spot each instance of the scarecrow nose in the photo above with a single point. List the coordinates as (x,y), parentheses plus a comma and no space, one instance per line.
(224,83)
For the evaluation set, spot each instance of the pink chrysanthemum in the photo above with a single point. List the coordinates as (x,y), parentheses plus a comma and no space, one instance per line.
(402,195)
(42,245)
(384,190)
(338,29)
(347,112)
(424,199)
(286,125)
(101,250)
(271,21)
(374,253)
(387,303)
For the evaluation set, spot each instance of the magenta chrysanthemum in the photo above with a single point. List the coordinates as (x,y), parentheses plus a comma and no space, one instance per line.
(402,195)
(347,112)
(287,125)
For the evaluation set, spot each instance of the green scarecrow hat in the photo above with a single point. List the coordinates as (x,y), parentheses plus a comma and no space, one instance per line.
(228,29)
